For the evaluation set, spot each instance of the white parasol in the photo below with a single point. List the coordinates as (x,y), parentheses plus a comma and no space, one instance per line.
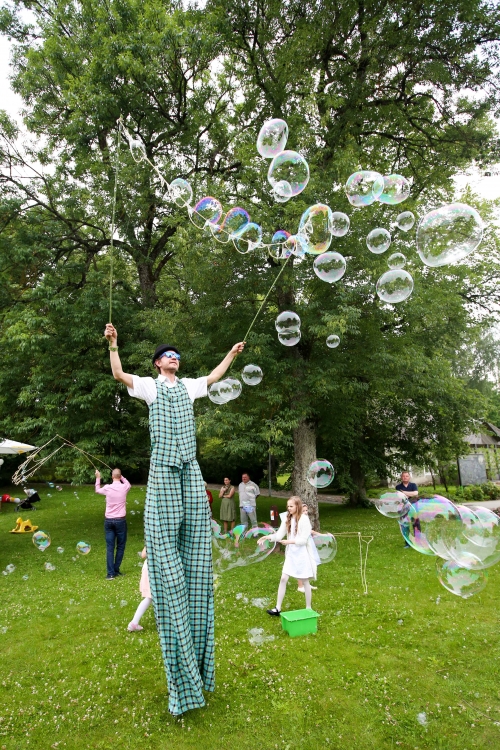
(15,449)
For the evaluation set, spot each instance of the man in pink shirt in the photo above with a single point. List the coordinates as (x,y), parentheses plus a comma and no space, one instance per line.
(115,523)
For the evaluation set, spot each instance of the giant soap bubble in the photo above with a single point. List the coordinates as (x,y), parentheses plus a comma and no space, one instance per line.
(364,187)
(216,395)
(329,267)
(396,189)
(448,234)
(340,224)
(207,211)
(272,138)
(460,581)
(290,167)
(289,336)
(394,286)
(251,374)
(326,547)
(316,226)
(393,504)
(287,320)
(181,192)
(405,221)
(235,219)
(282,191)
(240,546)
(320,473)
(247,238)
(438,520)
(378,240)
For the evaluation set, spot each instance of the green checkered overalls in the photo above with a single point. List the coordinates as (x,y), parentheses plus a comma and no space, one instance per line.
(178,543)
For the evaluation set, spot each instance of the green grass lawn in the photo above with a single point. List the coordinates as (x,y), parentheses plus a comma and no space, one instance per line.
(73,677)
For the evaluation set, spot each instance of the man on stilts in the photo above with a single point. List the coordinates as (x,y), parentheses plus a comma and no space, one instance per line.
(177,523)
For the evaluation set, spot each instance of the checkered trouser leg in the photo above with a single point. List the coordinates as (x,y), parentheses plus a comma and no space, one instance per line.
(178,543)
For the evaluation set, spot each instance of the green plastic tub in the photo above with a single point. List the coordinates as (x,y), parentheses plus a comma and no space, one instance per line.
(299,622)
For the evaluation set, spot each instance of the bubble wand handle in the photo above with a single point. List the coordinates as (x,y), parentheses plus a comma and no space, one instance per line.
(265,298)
(113,213)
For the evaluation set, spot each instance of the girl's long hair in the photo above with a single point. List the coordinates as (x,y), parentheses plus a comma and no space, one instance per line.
(298,512)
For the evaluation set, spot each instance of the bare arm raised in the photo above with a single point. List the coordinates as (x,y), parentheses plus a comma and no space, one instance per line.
(220,370)
(116,366)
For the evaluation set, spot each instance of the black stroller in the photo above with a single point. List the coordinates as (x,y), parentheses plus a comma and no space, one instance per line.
(32,497)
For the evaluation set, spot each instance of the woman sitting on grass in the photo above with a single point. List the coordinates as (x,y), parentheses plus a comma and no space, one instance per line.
(300,561)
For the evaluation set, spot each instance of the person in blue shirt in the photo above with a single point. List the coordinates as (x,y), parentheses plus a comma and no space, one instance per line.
(410,489)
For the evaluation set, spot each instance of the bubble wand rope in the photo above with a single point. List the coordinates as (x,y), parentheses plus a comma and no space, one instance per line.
(113,212)
(22,472)
(265,298)
(362,562)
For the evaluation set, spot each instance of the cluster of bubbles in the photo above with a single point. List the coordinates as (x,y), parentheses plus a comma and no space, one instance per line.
(42,541)
(464,540)
(288,172)
(288,326)
(320,473)
(8,569)
(230,388)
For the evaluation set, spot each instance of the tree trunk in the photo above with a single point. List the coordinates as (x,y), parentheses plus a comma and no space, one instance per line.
(304,445)
(148,284)
(358,495)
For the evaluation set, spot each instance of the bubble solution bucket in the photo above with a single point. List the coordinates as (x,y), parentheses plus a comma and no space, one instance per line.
(299,622)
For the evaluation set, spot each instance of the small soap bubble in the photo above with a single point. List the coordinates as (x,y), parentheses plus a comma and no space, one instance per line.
(60,550)
(83,548)
(320,473)
(289,337)
(51,484)
(394,286)
(248,238)
(329,267)
(49,494)
(59,489)
(276,248)
(422,719)
(340,224)
(405,221)
(181,192)
(282,191)
(123,603)
(272,138)
(316,226)
(332,341)
(396,189)
(137,149)
(288,320)
(251,374)
(448,234)
(49,566)
(396,261)
(460,581)
(215,394)
(291,167)
(25,578)
(378,240)
(257,637)
(10,568)
(41,540)
(235,219)
(208,210)
(364,187)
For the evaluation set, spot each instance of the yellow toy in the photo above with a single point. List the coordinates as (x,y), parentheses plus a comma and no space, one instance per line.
(23,527)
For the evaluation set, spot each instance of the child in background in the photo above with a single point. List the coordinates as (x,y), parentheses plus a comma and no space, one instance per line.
(145,592)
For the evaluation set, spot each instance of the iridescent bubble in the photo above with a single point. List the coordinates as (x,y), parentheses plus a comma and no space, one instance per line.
(251,374)
(460,581)
(215,395)
(340,224)
(326,547)
(394,286)
(235,220)
(320,473)
(248,238)
(433,522)
(282,191)
(288,320)
(396,189)
(41,540)
(289,337)
(240,546)
(396,261)
(316,226)
(295,245)
(405,221)
(181,192)
(393,504)
(364,187)
(83,548)
(412,532)
(291,167)
(378,240)
(272,138)
(60,550)
(448,234)
(137,149)
(479,545)
(332,341)
(329,267)
(207,210)
(276,247)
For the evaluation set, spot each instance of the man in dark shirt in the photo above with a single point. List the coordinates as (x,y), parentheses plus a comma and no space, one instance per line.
(409,489)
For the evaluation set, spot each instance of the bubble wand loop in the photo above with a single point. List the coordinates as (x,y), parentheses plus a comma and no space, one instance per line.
(113,212)
(265,298)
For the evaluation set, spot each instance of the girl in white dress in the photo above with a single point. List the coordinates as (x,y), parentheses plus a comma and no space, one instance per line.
(300,560)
